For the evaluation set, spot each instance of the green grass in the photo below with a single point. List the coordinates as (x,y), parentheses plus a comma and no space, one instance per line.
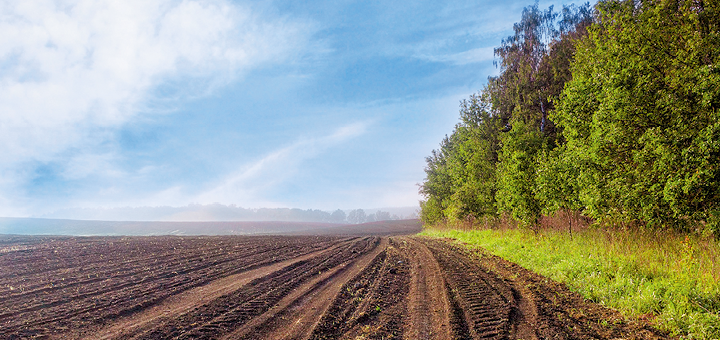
(671,279)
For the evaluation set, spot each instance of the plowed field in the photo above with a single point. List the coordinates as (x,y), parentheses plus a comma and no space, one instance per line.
(284,287)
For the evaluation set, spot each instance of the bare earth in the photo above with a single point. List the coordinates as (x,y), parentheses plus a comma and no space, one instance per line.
(372,283)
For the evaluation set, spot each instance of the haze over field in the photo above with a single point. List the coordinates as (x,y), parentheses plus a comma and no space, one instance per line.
(312,105)
(219,212)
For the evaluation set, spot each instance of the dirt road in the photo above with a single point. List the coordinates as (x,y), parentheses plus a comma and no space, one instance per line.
(300,287)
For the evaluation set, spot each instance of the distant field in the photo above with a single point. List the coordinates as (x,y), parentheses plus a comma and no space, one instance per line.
(371,281)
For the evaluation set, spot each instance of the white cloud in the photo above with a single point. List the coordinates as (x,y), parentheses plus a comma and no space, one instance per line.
(249,184)
(69,69)
(73,71)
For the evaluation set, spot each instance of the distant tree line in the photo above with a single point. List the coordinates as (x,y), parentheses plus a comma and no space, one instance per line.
(358,216)
(220,212)
(609,111)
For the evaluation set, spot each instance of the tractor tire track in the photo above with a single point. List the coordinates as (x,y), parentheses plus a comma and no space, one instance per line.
(296,316)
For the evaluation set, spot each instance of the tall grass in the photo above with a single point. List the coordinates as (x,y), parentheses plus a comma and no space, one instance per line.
(671,279)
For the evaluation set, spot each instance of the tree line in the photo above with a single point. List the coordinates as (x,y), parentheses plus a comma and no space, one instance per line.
(221,212)
(609,111)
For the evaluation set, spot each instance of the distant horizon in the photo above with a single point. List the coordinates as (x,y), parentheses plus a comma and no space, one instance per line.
(215,212)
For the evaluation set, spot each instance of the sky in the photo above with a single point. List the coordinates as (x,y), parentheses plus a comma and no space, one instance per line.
(288,103)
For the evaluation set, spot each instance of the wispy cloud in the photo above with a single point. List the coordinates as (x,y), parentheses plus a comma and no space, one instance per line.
(72,71)
(246,186)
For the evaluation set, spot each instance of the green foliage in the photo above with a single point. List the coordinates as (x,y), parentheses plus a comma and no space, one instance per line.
(534,65)
(643,104)
(516,178)
(556,183)
(612,113)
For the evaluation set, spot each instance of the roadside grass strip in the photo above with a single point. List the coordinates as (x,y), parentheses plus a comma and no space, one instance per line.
(671,280)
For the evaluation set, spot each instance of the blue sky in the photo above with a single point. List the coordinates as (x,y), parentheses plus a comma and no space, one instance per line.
(306,104)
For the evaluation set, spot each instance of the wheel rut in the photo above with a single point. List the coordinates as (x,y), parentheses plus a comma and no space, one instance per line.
(295,316)
(429,308)
(481,299)
(372,305)
(229,312)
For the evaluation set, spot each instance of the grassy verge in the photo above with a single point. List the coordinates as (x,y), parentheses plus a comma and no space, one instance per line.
(673,280)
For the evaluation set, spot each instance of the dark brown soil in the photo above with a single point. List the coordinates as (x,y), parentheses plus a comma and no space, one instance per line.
(285,287)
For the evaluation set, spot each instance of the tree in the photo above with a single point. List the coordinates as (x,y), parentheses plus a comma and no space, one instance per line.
(556,184)
(641,116)
(338,216)
(535,66)
(382,215)
(356,216)
(517,172)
